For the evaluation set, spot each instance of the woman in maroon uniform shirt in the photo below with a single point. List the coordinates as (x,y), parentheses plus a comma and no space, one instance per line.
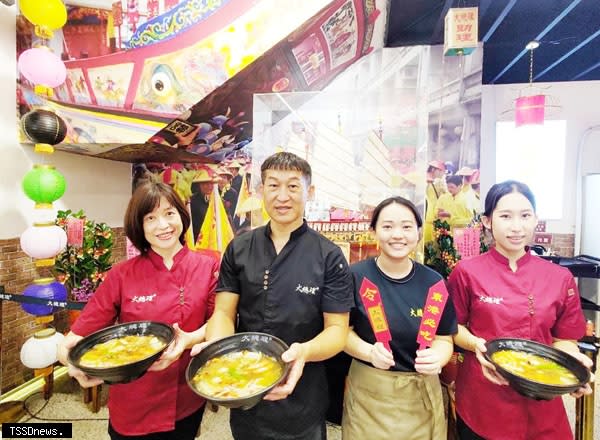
(167,283)
(507,292)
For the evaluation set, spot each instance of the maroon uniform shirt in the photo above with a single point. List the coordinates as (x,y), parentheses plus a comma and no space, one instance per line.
(144,289)
(539,301)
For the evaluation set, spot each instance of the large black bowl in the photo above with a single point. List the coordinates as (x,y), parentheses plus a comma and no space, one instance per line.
(128,372)
(530,388)
(252,341)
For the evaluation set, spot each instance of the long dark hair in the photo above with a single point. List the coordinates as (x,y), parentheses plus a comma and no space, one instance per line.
(400,201)
(499,190)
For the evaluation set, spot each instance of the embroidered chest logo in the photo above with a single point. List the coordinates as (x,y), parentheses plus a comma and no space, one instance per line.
(307,290)
(416,313)
(490,299)
(143,298)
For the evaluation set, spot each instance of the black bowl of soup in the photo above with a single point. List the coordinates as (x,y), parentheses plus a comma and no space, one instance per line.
(237,371)
(536,370)
(121,353)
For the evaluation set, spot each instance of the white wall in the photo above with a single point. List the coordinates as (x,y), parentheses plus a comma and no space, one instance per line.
(579,107)
(100,187)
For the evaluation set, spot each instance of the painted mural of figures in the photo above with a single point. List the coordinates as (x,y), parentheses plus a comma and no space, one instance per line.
(471,197)
(435,188)
(161,90)
(228,194)
(452,206)
(133,16)
(202,188)
(236,181)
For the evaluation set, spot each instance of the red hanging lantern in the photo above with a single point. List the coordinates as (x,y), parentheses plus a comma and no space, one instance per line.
(529,110)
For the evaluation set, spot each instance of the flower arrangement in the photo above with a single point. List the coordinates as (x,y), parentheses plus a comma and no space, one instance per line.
(440,254)
(82,268)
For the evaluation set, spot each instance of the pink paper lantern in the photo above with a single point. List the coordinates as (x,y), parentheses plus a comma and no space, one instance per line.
(42,67)
(529,110)
(43,240)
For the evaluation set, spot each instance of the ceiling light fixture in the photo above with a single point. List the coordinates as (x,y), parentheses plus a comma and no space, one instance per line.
(532,105)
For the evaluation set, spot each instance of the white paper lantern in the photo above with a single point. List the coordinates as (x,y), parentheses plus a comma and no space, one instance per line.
(43,240)
(40,350)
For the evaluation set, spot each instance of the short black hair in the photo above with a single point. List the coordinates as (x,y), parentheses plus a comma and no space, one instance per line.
(400,201)
(499,190)
(286,161)
(145,199)
(454,179)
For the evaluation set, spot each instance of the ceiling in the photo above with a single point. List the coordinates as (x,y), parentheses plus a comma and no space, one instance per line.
(568,32)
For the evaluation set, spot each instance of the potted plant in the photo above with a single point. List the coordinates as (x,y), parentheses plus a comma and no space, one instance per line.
(82,268)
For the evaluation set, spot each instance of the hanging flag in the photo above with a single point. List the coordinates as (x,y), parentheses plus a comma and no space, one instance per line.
(432,313)
(242,197)
(369,295)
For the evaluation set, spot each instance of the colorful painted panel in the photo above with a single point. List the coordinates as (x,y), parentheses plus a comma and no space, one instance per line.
(222,122)
(173,22)
(110,84)
(340,34)
(78,85)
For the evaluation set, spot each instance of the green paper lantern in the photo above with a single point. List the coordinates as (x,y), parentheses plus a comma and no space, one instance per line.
(43,184)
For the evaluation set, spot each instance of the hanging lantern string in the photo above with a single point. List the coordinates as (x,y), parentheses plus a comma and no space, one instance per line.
(531,67)
(532,45)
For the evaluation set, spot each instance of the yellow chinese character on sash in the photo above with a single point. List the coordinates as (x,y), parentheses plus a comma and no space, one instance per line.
(369,294)
(430,322)
(434,310)
(377,319)
(437,297)
(426,335)
(412,312)
(419,312)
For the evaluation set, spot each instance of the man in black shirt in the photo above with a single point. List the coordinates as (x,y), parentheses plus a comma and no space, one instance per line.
(289,281)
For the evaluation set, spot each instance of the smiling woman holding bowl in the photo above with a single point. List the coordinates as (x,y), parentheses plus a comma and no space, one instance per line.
(509,293)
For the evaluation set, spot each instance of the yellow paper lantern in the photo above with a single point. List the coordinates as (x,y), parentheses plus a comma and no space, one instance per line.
(46,15)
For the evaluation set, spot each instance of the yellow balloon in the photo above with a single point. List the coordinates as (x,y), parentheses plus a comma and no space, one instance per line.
(46,13)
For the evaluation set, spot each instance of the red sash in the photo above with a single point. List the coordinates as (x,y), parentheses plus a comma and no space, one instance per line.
(369,295)
(432,313)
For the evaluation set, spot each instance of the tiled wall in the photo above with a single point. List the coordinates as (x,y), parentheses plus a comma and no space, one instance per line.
(563,244)
(17,271)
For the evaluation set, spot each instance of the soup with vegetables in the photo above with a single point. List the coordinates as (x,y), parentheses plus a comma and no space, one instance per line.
(534,367)
(121,351)
(237,374)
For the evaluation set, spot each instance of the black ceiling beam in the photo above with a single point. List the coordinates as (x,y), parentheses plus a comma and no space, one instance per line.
(541,35)
(438,31)
(567,55)
(586,71)
(498,20)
